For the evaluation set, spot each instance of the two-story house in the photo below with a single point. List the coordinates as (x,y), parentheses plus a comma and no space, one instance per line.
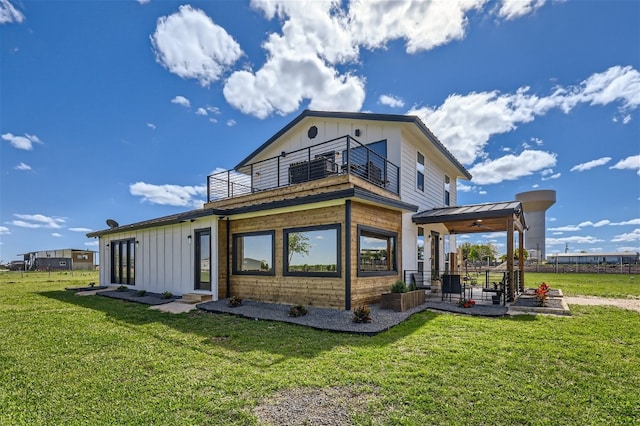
(329,211)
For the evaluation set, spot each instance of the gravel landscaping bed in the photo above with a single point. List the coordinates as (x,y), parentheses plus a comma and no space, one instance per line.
(339,319)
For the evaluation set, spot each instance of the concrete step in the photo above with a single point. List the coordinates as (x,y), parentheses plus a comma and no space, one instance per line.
(194,298)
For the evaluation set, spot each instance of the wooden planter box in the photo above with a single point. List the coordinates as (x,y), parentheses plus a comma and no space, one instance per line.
(402,301)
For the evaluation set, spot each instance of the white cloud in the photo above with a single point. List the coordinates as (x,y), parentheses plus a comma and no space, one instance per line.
(616,83)
(465,123)
(80,229)
(9,14)
(512,9)
(38,221)
(21,142)
(213,110)
(201,111)
(190,45)
(595,225)
(550,176)
(630,236)
(390,100)
(423,25)
(231,123)
(286,80)
(181,100)
(567,228)
(632,162)
(143,1)
(574,240)
(92,243)
(151,126)
(172,195)
(598,224)
(590,164)
(23,166)
(465,188)
(627,222)
(511,167)
(56,234)
(4,230)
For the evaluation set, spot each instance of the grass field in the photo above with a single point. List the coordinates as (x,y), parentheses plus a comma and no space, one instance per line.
(602,285)
(67,359)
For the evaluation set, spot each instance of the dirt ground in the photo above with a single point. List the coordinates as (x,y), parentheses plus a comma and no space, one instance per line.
(631,304)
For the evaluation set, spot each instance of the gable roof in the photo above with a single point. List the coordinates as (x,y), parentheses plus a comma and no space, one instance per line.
(397,118)
(489,217)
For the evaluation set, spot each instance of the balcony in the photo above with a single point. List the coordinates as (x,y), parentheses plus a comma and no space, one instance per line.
(340,156)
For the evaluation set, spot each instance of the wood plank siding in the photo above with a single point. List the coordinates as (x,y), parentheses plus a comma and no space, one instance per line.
(308,291)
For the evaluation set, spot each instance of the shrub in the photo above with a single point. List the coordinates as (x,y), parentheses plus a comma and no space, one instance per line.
(542,294)
(297,311)
(361,314)
(399,287)
(122,288)
(141,293)
(234,302)
(167,295)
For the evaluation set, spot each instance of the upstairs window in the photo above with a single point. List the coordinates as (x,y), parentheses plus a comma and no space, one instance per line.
(447,196)
(420,172)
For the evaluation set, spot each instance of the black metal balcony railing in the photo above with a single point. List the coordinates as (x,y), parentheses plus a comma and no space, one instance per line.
(343,155)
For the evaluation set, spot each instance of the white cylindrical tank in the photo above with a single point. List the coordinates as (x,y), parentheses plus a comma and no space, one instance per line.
(535,205)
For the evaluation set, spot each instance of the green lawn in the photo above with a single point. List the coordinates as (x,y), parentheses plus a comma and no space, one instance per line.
(602,285)
(66,359)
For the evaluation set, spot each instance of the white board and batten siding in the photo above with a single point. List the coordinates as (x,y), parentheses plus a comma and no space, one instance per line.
(431,197)
(329,129)
(164,259)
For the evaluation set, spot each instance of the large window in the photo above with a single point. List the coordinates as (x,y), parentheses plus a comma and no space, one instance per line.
(123,261)
(253,253)
(377,251)
(312,251)
(420,172)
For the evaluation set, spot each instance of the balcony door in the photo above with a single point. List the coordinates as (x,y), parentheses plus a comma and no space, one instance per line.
(203,259)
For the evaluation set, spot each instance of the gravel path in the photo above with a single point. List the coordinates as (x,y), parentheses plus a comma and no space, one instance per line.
(629,303)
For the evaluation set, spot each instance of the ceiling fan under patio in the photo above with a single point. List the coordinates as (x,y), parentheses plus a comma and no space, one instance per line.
(478,224)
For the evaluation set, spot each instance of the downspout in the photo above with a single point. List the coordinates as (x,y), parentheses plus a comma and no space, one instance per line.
(228,281)
(347,255)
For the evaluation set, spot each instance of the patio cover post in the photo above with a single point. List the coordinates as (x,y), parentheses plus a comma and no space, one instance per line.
(521,258)
(510,253)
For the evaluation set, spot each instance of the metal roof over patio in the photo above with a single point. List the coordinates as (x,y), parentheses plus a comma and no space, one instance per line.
(490,217)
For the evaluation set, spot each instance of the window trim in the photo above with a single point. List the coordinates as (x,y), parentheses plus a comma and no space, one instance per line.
(197,264)
(420,173)
(285,251)
(385,234)
(447,192)
(234,264)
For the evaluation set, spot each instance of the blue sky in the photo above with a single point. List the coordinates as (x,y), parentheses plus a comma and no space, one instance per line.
(120,109)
